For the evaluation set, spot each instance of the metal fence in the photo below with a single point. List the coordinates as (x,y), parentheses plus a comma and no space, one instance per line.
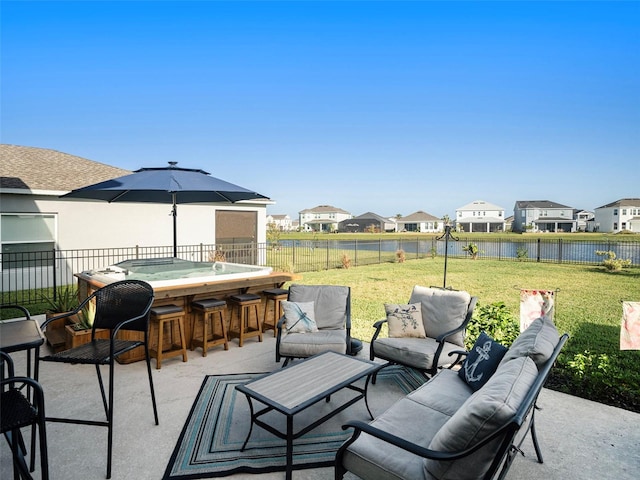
(26,275)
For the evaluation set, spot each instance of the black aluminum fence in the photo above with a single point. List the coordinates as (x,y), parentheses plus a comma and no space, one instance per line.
(26,275)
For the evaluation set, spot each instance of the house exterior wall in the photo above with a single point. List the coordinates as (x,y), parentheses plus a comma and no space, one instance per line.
(329,220)
(282,222)
(480,217)
(617,217)
(534,216)
(81,224)
(420,226)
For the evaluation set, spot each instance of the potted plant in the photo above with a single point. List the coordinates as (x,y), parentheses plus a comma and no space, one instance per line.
(79,332)
(471,249)
(63,300)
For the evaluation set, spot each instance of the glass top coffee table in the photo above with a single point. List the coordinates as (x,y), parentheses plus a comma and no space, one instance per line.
(303,384)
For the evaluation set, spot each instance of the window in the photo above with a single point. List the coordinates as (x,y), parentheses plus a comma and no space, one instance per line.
(27,239)
(624,212)
(623,225)
(615,211)
(615,225)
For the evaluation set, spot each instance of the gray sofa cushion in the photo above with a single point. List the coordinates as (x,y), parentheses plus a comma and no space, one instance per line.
(442,311)
(371,458)
(444,392)
(485,411)
(537,342)
(414,352)
(330,303)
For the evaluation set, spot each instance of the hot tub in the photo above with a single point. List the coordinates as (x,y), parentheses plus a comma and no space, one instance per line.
(164,272)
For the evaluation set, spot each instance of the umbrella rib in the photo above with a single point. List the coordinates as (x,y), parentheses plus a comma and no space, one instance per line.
(114,199)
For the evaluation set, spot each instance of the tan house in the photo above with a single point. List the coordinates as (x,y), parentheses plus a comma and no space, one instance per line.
(420,222)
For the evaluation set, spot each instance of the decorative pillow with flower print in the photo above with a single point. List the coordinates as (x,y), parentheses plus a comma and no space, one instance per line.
(405,320)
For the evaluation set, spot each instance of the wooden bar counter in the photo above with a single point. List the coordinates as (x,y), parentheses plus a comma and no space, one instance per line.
(183,295)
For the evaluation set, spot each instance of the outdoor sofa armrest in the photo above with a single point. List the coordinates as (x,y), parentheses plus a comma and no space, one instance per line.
(460,354)
(418,450)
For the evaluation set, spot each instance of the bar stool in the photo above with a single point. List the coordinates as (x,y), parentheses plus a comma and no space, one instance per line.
(275,295)
(205,310)
(168,314)
(245,302)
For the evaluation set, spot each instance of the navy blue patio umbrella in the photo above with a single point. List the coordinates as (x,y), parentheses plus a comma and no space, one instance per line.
(172,185)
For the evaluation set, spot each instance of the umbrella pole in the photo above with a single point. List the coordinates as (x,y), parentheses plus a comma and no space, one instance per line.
(174,212)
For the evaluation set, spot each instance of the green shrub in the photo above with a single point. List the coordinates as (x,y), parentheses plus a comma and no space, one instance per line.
(611,263)
(522,253)
(495,319)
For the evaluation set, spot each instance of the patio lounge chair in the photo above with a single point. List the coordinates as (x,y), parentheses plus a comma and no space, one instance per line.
(331,322)
(445,315)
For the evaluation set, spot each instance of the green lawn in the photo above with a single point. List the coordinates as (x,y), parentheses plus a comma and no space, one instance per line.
(588,307)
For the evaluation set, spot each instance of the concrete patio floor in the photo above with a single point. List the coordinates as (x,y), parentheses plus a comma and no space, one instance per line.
(579,438)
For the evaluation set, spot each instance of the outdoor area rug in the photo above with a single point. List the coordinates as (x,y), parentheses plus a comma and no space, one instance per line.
(210,442)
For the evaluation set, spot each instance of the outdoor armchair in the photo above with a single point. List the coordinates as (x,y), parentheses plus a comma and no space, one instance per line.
(444,314)
(331,316)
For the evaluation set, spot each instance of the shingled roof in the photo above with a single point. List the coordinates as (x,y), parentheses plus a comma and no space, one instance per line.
(31,168)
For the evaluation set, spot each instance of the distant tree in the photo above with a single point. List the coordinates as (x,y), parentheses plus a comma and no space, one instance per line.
(273,234)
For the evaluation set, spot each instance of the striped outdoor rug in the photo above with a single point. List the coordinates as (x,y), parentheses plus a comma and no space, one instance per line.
(210,442)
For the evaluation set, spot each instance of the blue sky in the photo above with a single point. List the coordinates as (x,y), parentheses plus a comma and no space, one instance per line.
(389,107)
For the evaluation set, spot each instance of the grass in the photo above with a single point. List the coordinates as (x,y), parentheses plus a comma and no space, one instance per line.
(588,307)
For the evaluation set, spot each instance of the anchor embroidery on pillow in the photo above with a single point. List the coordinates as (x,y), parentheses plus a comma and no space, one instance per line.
(483,354)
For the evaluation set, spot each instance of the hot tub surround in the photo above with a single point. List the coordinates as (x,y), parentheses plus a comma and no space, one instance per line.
(183,289)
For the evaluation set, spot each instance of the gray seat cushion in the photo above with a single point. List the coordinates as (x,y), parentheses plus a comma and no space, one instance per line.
(414,352)
(306,344)
(371,458)
(444,392)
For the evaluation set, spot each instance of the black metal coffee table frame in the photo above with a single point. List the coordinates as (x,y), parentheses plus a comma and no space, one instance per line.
(301,385)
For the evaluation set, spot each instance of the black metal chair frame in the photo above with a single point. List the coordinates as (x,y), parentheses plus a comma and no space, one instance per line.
(120,306)
(509,445)
(22,403)
(441,339)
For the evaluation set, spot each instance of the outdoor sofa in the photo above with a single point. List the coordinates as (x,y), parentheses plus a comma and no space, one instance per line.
(446,430)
